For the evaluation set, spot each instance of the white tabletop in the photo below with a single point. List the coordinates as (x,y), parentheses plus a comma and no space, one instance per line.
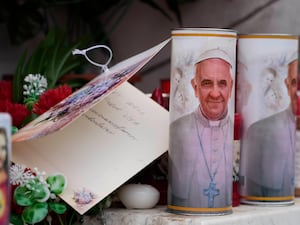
(242,215)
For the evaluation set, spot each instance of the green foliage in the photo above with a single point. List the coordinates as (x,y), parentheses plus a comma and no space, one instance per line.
(58,207)
(34,196)
(35,213)
(57,183)
(52,58)
(16,219)
(21,197)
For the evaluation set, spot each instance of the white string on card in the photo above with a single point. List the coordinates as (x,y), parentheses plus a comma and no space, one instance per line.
(104,66)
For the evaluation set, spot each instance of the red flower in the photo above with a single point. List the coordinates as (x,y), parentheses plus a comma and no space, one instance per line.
(50,98)
(5,90)
(18,112)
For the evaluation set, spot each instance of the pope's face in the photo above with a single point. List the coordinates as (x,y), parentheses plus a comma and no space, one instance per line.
(291,83)
(212,86)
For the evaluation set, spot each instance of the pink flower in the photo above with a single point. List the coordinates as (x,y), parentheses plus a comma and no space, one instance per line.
(50,98)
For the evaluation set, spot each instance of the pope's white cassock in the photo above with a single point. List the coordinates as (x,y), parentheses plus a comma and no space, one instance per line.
(200,158)
(267,163)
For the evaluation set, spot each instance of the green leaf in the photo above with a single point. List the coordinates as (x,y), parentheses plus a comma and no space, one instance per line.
(58,207)
(50,71)
(50,39)
(33,62)
(67,54)
(18,79)
(23,197)
(52,58)
(14,130)
(106,202)
(15,219)
(35,213)
(43,58)
(41,193)
(30,101)
(57,183)
(69,67)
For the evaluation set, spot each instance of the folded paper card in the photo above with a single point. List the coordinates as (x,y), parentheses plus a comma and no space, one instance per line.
(98,137)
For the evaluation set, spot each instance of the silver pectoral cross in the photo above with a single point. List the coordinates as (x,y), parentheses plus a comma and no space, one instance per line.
(211,192)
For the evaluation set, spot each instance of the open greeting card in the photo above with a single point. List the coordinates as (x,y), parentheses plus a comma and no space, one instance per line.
(98,137)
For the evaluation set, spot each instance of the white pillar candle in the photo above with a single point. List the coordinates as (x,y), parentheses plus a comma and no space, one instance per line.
(138,196)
